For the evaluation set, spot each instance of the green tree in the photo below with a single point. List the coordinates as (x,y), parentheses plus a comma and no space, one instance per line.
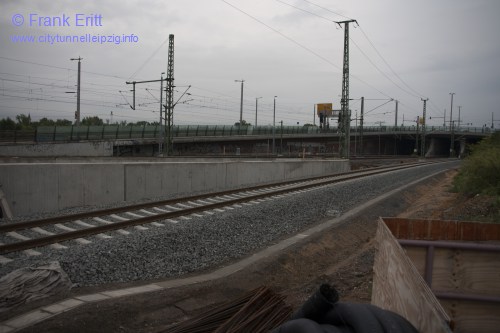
(63,122)
(24,121)
(46,122)
(243,123)
(92,121)
(141,123)
(480,172)
(8,124)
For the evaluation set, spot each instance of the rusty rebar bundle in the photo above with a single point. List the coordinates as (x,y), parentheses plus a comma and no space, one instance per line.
(260,310)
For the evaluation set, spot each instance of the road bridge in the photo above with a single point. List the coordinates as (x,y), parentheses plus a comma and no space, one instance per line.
(223,140)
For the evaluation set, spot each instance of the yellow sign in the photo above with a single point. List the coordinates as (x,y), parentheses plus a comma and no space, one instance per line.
(324,109)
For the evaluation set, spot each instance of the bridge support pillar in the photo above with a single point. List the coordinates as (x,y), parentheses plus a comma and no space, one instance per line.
(461,152)
(431,151)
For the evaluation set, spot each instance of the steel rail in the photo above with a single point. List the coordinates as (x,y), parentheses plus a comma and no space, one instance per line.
(47,240)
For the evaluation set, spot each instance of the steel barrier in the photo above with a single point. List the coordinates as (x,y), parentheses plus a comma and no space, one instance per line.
(115,132)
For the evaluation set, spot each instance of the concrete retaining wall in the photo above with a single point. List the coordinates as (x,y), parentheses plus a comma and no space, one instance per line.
(93,148)
(32,188)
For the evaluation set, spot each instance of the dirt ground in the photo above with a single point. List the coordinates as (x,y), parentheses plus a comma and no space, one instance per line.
(342,256)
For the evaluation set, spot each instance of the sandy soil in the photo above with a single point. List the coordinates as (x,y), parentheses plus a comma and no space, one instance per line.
(342,256)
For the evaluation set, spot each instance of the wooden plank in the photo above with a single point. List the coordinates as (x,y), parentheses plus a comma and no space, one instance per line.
(463,271)
(473,317)
(443,230)
(419,229)
(398,287)
(469,272)
(477,272)
(443,270)
(417,256)
(403,228)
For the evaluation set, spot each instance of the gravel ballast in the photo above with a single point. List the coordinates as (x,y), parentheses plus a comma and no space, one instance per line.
(212,240)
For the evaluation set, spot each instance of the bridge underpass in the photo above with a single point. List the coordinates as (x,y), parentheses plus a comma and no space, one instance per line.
(371,144)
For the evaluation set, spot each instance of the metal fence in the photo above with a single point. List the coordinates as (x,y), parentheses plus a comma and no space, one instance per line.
(115,132)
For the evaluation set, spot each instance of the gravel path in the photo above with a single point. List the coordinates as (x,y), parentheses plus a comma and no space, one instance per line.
(211,240)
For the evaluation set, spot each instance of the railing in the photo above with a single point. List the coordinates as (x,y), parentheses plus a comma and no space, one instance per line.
(115,132)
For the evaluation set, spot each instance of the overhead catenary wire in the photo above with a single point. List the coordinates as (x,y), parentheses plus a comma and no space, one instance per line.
(54,92)
(99,92)
(408,90)
(109,91)
(306,11)
(58,67)
(328,10)
(380,71)
(148,59)
(283,35)
(304,47)
(377,107)
(416,93)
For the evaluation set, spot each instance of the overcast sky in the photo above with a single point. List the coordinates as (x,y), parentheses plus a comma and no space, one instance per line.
(401,50)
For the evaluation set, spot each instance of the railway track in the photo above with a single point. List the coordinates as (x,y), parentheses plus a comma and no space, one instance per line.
(29,235)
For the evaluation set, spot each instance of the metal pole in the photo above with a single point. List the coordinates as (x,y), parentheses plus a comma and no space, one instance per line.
(78,92)
(77,115)
(256,99)
(344,125)
(356,135)
(274,123)
(241,102)
(396,119)
(314,114)
(361,126)
(424,127)
(451,126)
(459,110)
(162,137)
(416,137)
(169,109)
(452,149)
(281,139)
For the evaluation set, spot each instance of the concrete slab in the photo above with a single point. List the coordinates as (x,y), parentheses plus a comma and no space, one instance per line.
(103,183)
(142,181)
(153,179)
(143,289)
(170,179)
(63,306)
(92,297)
(185,282)
(39,186)
(117,293)
(76,149)
(27,319)
(72,192)
(6,329)
(131,291)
